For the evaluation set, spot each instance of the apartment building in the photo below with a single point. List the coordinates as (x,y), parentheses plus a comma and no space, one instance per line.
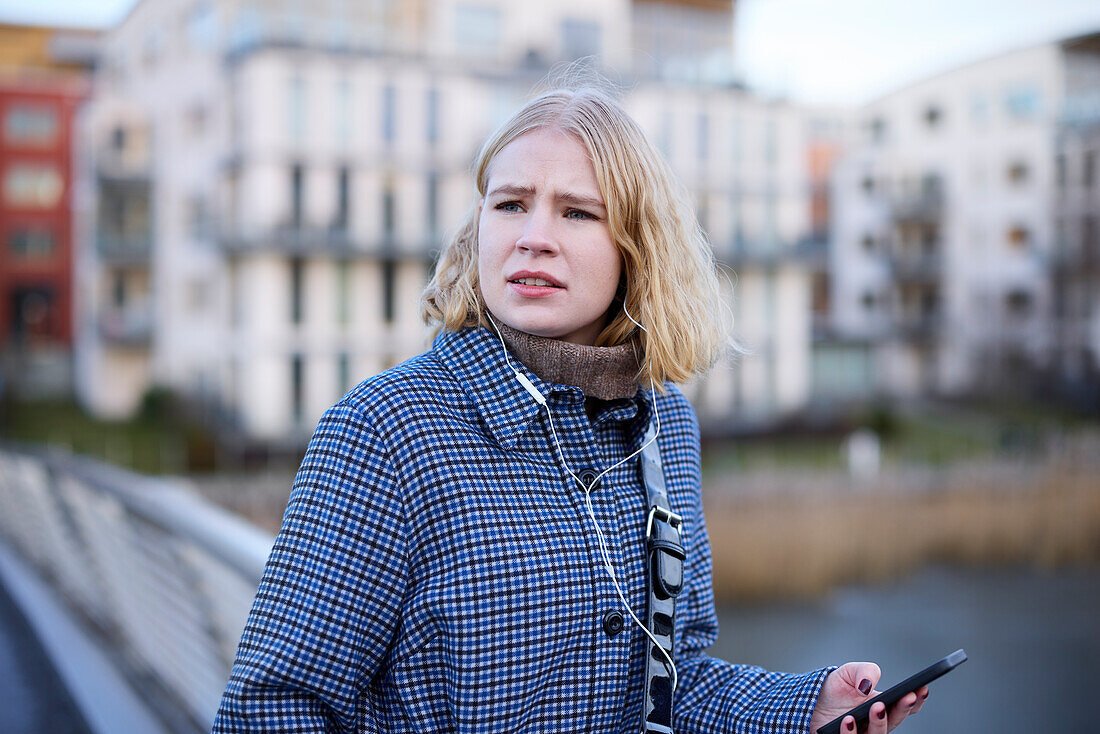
(266,189)
(1075,267)
(43,78)
(944,232)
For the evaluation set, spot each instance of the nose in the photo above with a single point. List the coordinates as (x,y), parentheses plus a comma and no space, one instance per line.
(538,236)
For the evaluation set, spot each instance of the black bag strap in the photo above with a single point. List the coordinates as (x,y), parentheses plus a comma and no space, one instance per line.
(664,581)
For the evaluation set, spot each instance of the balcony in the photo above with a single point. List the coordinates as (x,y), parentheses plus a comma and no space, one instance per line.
(925,205)
(311,241)
(129,326)
(919,327)
(124,252)
(1076,263)
(917,268)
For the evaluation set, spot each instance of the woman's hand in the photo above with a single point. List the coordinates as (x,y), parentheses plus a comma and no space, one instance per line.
(850,685)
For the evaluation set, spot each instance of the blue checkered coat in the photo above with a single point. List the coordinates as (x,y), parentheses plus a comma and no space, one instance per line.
(437,571)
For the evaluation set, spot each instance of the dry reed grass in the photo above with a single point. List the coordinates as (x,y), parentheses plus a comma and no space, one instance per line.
(801,544)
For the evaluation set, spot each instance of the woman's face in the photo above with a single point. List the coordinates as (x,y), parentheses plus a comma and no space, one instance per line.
(546,262)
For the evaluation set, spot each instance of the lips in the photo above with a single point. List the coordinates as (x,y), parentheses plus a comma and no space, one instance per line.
(541,280)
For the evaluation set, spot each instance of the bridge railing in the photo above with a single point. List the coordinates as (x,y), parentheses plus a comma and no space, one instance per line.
(165,577)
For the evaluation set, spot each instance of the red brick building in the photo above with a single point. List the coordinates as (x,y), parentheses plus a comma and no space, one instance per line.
(40,92)
(36,255)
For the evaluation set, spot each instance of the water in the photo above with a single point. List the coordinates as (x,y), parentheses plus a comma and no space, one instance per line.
(1033,639)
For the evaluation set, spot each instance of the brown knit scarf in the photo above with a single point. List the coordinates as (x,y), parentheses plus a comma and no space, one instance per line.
(606,373)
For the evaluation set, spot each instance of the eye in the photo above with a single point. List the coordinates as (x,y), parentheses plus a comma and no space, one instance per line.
(579,214)
(509,206)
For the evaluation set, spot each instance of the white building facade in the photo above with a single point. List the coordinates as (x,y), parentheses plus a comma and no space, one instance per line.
(266,189)
(943,229)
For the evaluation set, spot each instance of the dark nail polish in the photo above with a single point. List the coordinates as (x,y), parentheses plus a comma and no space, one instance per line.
(851,726)
(865,686)
(881,715)
(924,697)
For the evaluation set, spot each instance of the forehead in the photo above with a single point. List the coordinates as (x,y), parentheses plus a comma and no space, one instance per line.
(547,155)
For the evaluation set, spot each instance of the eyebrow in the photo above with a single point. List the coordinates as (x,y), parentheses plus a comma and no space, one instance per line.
(567,196)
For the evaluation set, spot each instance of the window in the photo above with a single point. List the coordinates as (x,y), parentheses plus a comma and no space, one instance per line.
(198,217)
(580,38)
(343,371)
(868,185)
(297,388)
(702,212)
(1018,303)
(153,48)
(868,243)
(1018,236)
(202,26)
(389,210)
(343,199)
(933,116)
(433,204)
(868,301)
(1017,172)
(1090,242)
(389,104)
(431,131)
(30,125)
(297,196)
(1022,103)
(876,129)
(477,27)
(296,286)
(929,239)
(929,304)
(1060,171)
(32,312)
(1088,173)
(118,290)
(33,185)
(195,119)
(389,273)
(32,243)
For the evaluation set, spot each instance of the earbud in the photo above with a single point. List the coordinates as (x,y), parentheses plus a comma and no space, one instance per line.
(530,387)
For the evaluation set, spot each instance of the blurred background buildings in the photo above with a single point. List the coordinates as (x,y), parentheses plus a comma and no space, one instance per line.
(258,190)
(267,189)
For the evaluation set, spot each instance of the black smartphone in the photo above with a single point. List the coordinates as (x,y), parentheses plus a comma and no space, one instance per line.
(893,695)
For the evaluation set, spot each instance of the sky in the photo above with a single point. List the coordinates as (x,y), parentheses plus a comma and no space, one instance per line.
(840,52)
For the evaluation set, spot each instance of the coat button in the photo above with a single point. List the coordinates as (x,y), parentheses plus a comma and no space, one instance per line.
(587,477)
(613,622)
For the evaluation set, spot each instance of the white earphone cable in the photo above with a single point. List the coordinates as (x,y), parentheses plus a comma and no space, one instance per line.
(588,489)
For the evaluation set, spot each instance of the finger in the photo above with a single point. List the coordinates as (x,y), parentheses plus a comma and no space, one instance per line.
(855,675)
(848,724)
(877,723)
(901,709)
(922,696)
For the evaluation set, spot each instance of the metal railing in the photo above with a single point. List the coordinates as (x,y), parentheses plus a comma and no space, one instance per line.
(165,577)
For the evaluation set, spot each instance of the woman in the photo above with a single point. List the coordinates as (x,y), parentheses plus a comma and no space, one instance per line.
(464,545)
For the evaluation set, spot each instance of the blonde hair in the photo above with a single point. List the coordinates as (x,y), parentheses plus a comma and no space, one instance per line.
(669,281)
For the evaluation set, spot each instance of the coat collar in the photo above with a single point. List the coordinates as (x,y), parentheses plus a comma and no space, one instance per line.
(477,359)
